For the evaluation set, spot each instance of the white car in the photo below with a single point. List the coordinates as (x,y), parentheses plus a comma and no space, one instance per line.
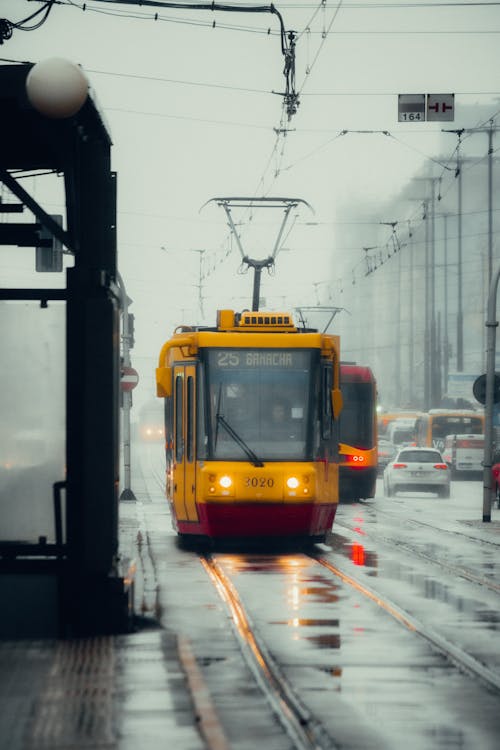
(416,470)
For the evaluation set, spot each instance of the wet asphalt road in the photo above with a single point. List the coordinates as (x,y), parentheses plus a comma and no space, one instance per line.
(370,680)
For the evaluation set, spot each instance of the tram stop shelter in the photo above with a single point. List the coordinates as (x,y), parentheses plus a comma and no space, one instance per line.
(59,381)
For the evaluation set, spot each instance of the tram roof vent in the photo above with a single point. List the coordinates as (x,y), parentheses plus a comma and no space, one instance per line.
(268,321)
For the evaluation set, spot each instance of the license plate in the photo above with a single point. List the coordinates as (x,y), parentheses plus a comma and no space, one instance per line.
(419,473)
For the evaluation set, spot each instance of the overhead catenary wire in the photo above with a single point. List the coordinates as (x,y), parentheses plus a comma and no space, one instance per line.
(278,152)
(92,6)
(7,27)
(324,37)
(287,38)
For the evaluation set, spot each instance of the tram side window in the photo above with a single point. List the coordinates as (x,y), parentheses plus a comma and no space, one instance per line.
(326,403)
(168,428)
(178,419)
(201,430)
(190,419)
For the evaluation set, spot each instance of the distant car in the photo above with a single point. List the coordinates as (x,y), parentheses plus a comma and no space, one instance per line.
(464,455)
(386,451)
(417,470)
(401,432)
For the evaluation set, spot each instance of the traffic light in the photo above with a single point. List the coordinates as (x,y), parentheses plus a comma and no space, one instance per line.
(49,255)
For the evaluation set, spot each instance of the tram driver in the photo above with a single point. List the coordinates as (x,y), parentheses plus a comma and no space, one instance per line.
(281,421)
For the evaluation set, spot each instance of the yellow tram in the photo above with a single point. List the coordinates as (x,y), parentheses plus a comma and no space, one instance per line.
(251,427)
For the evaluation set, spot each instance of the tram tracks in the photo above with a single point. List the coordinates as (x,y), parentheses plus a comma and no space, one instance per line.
(302,726)
(408,548)
(303,729)
(426,524)
(458,656)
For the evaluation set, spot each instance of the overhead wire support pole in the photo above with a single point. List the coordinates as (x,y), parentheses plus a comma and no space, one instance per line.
(491,326)
(490,201)
(411,350)
(460,323)
(489,130)
(396,247)
(434,369)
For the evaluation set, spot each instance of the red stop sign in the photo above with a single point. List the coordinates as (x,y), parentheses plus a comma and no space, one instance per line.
(129,378)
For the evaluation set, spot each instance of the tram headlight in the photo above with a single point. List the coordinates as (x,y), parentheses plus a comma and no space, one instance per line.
(220,485)
(298,485)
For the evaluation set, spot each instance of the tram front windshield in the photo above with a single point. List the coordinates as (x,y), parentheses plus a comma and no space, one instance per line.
(258,399)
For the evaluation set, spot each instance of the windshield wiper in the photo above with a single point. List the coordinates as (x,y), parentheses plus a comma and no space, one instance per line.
(237,439)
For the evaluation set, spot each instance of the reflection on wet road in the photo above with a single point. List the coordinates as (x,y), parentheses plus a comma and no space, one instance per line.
(357,669)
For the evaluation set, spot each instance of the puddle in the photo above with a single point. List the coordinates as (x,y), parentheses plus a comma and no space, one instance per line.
(356,552)
(325,641)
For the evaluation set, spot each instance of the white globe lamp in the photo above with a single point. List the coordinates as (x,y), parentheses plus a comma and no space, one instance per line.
(57,87)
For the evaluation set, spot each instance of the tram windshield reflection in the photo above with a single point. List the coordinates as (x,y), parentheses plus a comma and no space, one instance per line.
(265,396)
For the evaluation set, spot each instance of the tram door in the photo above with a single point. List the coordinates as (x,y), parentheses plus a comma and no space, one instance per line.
(185,442)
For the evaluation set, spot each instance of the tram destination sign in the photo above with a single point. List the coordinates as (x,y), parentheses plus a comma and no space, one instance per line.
(261,358)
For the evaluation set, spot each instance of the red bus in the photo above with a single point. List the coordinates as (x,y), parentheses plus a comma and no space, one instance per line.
(358,432)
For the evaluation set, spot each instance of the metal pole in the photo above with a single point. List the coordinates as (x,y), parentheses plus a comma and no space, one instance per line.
(411,378)
(460,329)
(426,315)
(490,201)
(127,493)
(398,336)
(491,326)
(446,339)
(256,288)
(257,266)
(460,319)
(200,279)
(432,252)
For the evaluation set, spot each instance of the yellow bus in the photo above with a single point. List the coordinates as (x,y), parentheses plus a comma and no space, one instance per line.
(432,428)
